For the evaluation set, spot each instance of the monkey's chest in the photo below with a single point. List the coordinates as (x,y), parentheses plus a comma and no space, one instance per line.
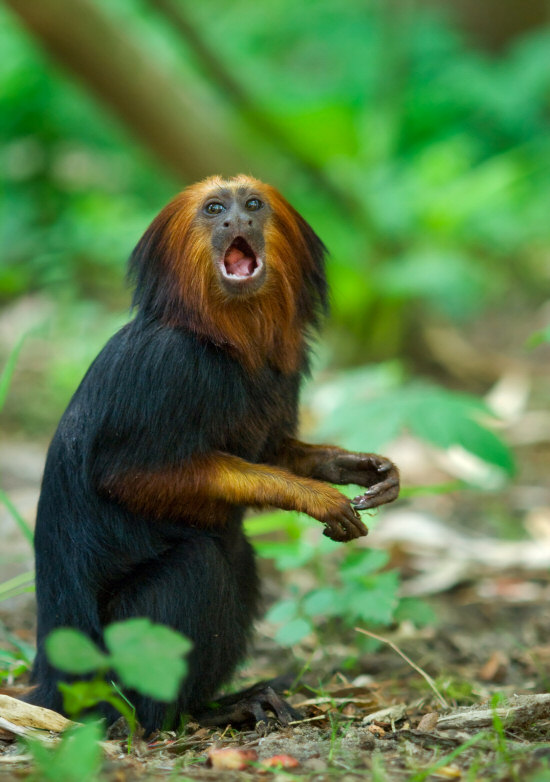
(268,416)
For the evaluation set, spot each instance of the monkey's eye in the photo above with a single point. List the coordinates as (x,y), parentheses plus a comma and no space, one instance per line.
(253,204)
(214,208)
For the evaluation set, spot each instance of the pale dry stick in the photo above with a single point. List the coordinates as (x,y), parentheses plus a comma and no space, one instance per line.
(395,648)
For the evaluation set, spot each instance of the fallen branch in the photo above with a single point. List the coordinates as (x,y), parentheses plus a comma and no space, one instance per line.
(515,711)
(26,715)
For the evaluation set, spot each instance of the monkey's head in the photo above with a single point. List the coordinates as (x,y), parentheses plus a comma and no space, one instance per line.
(233,261)
(234,217)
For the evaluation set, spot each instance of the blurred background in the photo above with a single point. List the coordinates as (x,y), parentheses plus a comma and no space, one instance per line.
(412,135)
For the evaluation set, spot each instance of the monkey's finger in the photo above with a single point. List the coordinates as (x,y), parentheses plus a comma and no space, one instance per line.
(363,461)
(380,494)
(345,526)
(337,534)
(282,710)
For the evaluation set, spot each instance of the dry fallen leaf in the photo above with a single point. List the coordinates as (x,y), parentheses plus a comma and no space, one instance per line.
(280,761)
(495,668)
(376,730)
(428,722)
(231,758)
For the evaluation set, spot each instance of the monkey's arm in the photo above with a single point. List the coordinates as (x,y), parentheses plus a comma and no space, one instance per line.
(334,465)
(200,487)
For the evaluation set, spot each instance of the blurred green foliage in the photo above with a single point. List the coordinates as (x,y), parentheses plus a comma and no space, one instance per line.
(440,149)
(77,757)
(443,149)
(356,585)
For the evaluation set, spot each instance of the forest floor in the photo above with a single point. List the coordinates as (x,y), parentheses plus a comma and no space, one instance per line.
(470,701)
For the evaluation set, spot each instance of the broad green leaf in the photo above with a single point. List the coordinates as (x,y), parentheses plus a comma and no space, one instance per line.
(73,652)
(76,758)
(148,657)
(322,602)
(374,602)
(283,611)
(361,563)
(416,611)
(264,523)
(79,696)
(287,555)
(446,418)
(539,338)
(293,632)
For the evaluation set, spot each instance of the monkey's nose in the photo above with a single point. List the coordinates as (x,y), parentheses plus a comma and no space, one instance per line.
(238,222)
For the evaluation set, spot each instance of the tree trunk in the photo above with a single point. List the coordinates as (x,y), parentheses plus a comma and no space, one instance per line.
(183,133)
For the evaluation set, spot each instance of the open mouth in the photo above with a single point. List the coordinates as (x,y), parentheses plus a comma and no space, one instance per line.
(240,262)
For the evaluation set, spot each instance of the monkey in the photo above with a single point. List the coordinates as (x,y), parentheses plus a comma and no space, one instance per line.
(187,417)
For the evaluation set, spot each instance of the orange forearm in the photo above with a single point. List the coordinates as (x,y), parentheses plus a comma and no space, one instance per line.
(198,488)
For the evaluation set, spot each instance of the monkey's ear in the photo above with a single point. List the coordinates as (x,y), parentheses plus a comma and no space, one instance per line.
(314,269)
(151,266)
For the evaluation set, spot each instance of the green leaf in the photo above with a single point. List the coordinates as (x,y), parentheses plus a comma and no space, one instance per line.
(322,602)
(361,563)
(539,337)
(73,652)
(265,523)
(288,555)
(79,696)
(375,601)
(148,657)
(416,611)
(76,758)
(283,611)
(446,418)
(293,632)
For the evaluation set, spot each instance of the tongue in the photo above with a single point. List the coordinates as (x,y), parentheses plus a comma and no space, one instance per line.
(237,263)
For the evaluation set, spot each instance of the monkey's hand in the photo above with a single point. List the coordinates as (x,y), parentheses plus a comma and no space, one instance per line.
(378,473)
(342,522)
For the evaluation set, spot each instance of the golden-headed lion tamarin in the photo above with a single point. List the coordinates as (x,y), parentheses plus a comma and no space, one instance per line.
(187,416)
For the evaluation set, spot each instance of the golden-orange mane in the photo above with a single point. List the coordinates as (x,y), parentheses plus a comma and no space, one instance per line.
(176,278)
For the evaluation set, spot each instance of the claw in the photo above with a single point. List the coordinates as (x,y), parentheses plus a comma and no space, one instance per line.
(379,494)
(251,706)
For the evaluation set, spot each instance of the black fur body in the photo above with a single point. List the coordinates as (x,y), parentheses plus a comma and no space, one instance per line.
(154,397)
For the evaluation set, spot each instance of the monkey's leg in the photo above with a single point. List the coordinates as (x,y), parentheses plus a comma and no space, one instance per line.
(201,489)
(333,464)
(205,587)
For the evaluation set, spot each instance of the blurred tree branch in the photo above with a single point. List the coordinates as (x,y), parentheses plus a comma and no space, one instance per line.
(174,124)
(230,87)
(179,131)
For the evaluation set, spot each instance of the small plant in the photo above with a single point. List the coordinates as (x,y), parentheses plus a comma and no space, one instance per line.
(357,587)
(145,657)
(16,660)
(77,757)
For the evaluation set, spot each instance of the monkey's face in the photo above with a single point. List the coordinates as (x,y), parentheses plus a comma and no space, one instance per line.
(235,217)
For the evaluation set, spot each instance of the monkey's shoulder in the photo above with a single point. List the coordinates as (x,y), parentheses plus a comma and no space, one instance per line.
(156,394)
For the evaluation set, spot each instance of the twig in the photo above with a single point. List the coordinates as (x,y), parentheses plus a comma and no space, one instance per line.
(395,648)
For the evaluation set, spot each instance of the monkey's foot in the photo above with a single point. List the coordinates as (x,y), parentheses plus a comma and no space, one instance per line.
(249,706)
